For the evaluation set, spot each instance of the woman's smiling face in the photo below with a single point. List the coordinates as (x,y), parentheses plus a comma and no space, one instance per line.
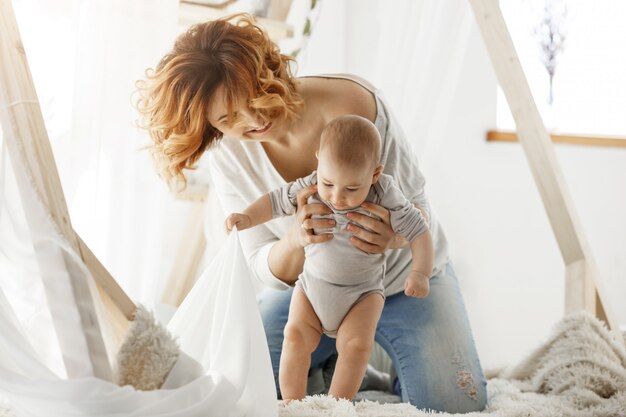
(246,124)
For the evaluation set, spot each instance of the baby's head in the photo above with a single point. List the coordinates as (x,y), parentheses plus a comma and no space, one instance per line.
(348,161)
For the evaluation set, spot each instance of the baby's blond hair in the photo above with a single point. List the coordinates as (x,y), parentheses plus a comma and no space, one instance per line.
(352,140)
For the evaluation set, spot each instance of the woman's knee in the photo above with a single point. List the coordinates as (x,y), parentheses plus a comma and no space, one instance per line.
(436,361)
(468,395)
(464,394)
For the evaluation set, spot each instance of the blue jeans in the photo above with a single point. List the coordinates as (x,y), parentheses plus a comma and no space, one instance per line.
(429,341)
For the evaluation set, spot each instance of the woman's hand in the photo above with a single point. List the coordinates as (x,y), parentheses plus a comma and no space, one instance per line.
(286,258)
(380,235)
(302,230)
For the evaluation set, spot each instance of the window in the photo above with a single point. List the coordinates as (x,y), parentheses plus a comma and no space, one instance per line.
(589,84)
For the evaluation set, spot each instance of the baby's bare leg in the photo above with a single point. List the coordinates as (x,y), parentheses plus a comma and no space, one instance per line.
(355,340)
(302,335)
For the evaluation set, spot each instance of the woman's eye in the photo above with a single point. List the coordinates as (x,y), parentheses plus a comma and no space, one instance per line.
(351,189)
(235,119)
(327,184)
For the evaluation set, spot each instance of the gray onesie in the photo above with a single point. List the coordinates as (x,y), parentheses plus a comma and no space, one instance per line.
(336,274)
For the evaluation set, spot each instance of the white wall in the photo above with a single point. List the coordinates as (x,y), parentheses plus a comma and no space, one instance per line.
(501,242)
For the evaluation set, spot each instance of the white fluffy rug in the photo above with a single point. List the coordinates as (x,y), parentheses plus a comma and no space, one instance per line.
(580,371)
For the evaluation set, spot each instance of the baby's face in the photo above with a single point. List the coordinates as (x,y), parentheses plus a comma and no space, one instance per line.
(344,187)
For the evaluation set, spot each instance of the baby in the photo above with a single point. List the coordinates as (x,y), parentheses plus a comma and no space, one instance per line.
(340,290)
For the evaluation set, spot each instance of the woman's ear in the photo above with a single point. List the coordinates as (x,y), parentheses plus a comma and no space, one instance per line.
(377,172)
(317,155)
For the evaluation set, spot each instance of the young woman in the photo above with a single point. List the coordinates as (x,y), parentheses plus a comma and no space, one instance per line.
(225,85)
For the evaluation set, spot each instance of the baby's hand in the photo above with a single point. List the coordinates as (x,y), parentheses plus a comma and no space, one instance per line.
(417,285)
(241,221)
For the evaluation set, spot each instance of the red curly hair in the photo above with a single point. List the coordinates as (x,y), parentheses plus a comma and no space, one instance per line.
(174,98)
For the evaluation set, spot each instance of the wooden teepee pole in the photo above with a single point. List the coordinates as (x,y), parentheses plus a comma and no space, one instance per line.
(584,290)
(29,148)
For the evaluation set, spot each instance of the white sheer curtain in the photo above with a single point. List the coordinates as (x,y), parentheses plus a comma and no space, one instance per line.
(411,49)
(416,58)
(85,57)
(237,378)
(20,280)
(122,208)
(85,68)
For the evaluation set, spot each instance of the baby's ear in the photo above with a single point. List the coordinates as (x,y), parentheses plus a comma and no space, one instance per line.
(377,172)
(317,154)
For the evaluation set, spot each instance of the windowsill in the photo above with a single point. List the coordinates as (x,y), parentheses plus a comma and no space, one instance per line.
(575,139)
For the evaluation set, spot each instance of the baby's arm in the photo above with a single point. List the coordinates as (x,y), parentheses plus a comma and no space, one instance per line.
(259,212)
(408,221)
(417,283)
(276,203)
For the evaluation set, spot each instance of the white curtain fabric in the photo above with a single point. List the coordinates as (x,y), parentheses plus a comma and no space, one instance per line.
(431,39)
(85,56)
(411,49)
(61,273)
(417,60)
(20,280)
(218,325)
(119,206)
